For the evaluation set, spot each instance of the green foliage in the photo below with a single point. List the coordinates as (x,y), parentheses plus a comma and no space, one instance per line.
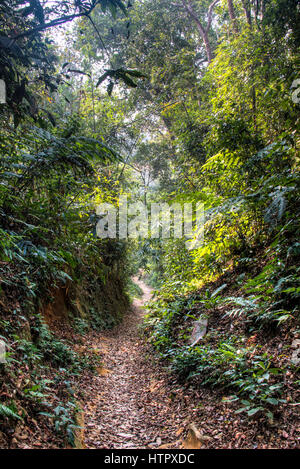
(212,299)
(228,366)
(103,319)
(64,420)
(223,133)
(57,352)
(28,352)
(81,325)
(28,60)
(9,411)
(134,290)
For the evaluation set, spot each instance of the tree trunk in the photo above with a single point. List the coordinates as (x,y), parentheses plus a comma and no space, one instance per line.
(207,46)
(201,29)
(247,10)
(232,15)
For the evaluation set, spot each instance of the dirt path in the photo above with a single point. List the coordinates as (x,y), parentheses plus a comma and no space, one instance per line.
(135,403)
(130,403)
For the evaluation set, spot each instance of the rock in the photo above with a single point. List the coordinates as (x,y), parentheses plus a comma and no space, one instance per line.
(296,357)
(296,343)
(195,439)
(296,352)
(199,331)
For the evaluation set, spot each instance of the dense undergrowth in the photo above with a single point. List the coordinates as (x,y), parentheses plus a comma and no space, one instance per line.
(238,147)
(242,353)
(55,274)
(249,294)
(53,269)
(252,314)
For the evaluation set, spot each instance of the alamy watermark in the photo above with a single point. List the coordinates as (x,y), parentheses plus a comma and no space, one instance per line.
(137,220)
(295,93)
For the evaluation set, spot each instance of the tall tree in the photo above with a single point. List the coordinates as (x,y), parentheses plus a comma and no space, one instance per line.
(201,27)
(232,15)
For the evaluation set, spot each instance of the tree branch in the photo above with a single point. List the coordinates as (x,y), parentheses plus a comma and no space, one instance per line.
(209,14)
(191,12)
(203,31)
(56,22)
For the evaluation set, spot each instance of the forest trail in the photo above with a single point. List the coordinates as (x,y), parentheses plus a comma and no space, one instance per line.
(130,404)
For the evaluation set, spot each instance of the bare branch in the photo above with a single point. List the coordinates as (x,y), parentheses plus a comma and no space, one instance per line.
(209,14)
(51,24)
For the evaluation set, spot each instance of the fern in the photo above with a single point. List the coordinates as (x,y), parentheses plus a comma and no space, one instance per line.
(277,207)
(8,412)
(246,305)
(218,290)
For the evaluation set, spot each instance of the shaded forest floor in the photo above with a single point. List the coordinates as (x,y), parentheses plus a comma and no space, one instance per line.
(129,404)
(134,402)
(131,401)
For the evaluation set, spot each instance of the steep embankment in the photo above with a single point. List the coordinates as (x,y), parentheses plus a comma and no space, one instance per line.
(46,354)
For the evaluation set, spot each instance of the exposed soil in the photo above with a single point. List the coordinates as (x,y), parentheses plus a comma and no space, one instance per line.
(129,405)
